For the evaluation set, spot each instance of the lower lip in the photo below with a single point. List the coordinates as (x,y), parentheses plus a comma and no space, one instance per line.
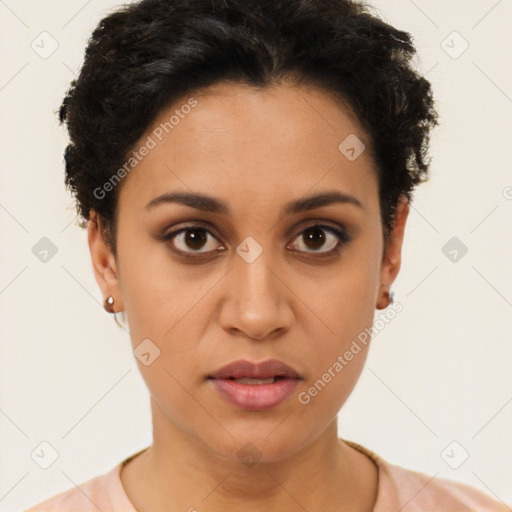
(255,397)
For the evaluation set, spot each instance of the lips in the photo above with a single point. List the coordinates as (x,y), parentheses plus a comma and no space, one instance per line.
(271,368)
(255,386)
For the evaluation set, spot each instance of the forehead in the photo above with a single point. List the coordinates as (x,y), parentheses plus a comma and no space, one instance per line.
(233,140)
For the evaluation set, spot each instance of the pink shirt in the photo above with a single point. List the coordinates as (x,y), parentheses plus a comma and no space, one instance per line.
(399,489)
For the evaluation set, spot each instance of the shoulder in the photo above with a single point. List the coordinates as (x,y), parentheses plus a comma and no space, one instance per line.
(94,494)
(407,490)
(418,491)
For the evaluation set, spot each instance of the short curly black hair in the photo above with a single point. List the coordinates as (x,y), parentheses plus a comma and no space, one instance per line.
(145,56)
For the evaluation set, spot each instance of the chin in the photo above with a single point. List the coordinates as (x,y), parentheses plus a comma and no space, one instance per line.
(258,446)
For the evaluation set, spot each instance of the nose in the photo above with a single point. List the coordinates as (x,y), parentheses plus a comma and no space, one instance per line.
(256,302)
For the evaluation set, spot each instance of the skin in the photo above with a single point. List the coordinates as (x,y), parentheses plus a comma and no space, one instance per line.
(256,150)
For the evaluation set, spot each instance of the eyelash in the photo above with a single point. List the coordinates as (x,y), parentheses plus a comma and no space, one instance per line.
(342,236)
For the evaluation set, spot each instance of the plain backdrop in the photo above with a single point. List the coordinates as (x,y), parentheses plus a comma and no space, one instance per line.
(437,385)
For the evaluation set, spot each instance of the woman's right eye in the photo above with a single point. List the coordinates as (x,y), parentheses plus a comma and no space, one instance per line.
(190,240)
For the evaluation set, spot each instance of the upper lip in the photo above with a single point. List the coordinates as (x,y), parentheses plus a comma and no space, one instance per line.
(261,370)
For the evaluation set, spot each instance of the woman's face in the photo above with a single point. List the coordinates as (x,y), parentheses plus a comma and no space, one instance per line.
(249,280)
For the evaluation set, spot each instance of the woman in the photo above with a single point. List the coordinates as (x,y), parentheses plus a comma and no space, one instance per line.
(245,168)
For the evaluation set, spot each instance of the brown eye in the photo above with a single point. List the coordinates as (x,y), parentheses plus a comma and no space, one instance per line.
(314,238)
(195,239)
(192,240)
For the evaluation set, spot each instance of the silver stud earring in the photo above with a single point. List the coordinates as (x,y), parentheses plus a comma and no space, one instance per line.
(109,304)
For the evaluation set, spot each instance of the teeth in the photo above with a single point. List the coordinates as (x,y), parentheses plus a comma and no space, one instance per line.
(247,380)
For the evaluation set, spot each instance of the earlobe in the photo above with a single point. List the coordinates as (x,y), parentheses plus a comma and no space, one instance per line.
(393,256)
(103,261)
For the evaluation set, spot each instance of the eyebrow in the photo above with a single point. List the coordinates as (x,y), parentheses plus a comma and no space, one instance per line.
(210,204)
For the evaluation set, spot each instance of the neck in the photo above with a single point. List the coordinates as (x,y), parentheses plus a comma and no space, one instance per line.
(325,475)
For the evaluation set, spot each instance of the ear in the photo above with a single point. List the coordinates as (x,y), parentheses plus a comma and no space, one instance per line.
(103,262)
(393,255)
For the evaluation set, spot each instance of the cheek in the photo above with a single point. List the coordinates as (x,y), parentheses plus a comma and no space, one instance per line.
(346,308)
(336,362)
(170,387)
(158,294)
(347,296)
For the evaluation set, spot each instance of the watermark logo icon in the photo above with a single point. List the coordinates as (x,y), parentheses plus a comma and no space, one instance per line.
(352,147)
(146,352)
(454,45)
(249,250)
(454,249)
(455,455)
(249,454)
(44,455)
(44,250)
(45,45)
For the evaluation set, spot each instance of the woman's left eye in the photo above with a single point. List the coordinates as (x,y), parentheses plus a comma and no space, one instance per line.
(194,239)
(314,238)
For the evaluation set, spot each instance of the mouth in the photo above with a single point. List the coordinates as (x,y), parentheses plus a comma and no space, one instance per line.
(251,381)
(255,386)
(265,370)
